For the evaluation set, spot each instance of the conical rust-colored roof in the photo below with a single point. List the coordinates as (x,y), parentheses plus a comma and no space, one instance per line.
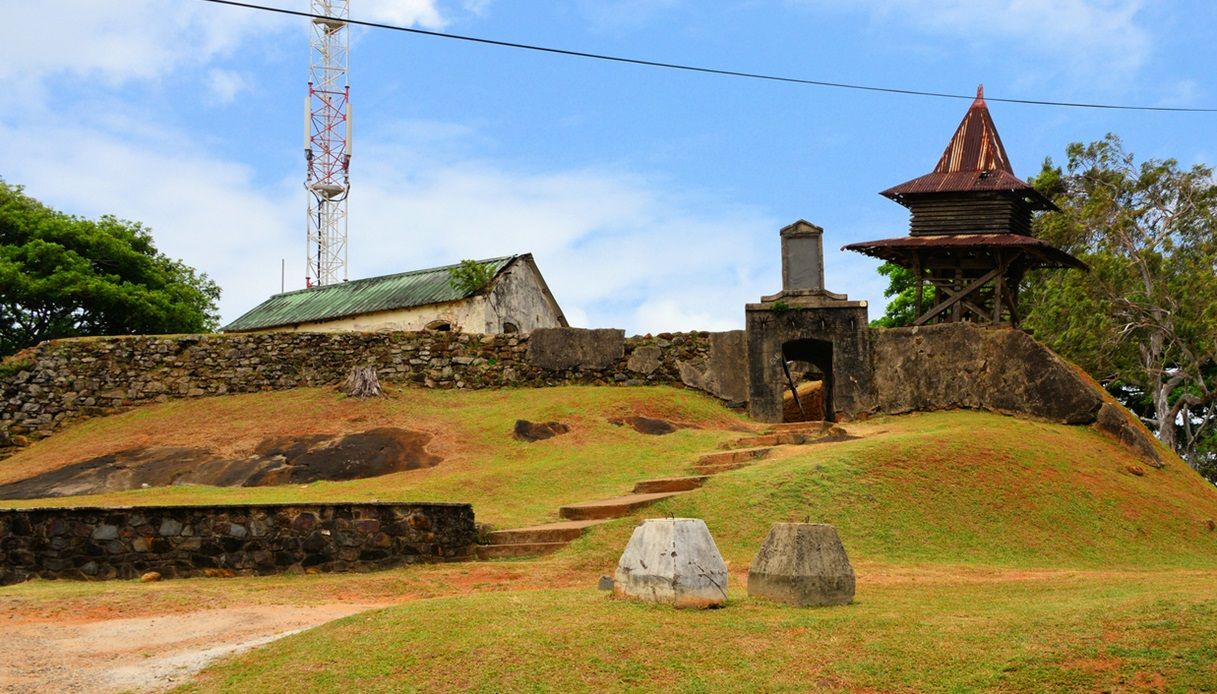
(974,160)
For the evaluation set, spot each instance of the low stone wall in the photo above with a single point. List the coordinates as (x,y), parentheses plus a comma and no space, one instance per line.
(66,380)
(178,541)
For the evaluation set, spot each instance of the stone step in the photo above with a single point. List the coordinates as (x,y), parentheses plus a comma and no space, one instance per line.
(709,470)
(612,508)
(521,549)
(737,458)
(549,532)
(803,427)
(786,438)
(669,484)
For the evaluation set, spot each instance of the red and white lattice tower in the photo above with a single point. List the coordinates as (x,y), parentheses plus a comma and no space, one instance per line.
(327,143)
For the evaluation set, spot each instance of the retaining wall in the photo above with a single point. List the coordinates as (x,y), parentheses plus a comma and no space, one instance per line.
(177,541)
(66,380)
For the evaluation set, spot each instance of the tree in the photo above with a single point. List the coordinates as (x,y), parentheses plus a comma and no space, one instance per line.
(901,289)
(1143,321)
(64,276)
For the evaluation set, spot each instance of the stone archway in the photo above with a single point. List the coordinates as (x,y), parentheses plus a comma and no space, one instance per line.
(806,361)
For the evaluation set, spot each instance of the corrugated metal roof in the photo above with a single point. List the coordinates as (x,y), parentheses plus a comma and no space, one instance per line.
(974,160)
(385,293)
(897,249)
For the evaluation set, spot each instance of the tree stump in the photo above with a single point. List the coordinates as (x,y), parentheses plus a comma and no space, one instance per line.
(362,383)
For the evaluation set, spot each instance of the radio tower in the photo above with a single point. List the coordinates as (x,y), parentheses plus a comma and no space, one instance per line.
(327,144)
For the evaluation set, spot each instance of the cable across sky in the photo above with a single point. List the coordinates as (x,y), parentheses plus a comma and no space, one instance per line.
(713,71)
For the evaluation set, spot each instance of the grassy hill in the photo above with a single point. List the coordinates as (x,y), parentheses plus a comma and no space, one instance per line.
(993,553)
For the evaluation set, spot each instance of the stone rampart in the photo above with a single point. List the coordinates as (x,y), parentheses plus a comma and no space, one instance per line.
(65,380)
(963,366)
(178,541)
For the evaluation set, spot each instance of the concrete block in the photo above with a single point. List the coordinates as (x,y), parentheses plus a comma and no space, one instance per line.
(557,349)
(802,564)
(672,561)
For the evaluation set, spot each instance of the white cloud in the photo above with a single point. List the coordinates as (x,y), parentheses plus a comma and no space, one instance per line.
(121,41)
(618,248)
(225,85)
(1097,36)
(423,13)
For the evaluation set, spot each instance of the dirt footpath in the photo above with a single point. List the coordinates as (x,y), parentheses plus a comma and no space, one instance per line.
(146,653)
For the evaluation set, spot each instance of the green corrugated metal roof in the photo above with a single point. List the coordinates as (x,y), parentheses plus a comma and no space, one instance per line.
(386,293)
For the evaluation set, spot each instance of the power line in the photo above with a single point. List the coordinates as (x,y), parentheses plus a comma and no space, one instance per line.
(710,70)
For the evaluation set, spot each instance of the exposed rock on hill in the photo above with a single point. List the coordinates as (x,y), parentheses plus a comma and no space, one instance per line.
(286,460)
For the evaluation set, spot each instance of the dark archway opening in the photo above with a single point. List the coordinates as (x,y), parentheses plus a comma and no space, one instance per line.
(807,381)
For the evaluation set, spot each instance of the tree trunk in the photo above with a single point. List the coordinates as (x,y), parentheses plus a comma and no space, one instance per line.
(362,383)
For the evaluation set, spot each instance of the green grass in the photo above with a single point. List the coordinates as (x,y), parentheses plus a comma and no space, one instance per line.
(993,554)
(509,482)
(1059,632)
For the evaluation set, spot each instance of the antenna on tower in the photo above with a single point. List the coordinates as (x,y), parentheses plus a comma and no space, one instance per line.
(327,144)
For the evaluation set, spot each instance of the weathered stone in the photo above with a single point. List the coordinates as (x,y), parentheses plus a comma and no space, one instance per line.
(824,330)
(605,583)
(105,532)
(802,564)
(537,431)
(960,365)
(1121,423)
(672,561)
(569,348)
(645,359)
(150,577)
(169,527)
(646,425)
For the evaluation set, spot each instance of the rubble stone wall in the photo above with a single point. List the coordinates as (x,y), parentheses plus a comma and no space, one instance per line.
(105,543)
(62,381)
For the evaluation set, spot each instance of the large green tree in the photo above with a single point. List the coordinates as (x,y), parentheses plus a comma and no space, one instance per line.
(64,276)
(1144,319)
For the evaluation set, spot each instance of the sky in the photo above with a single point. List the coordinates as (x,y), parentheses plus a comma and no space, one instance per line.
(651,199)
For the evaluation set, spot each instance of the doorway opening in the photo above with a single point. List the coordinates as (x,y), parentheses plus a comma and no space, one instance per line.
(807,381)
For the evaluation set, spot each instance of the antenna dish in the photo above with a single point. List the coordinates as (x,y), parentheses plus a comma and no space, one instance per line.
(327,190)
(331,25)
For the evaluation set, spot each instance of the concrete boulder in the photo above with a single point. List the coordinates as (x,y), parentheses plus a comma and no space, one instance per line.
(672,561)
(802,564)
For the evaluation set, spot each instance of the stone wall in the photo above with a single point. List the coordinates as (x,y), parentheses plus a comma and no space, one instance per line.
(61,381)
(960,365)
(179,541)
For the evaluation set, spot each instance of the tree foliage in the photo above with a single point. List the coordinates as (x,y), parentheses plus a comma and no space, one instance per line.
(469,276)
(64,276)
(1144,319)
(901,289)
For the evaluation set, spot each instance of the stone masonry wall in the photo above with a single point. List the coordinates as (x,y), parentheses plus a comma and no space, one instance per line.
(103,543)
(57,382)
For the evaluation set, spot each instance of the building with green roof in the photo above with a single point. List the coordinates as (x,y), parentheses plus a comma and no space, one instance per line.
(515,298)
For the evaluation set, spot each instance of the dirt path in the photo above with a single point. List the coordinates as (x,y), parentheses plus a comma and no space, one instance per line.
(145,653)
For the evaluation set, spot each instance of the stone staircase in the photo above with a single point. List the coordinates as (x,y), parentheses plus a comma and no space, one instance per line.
(544,539)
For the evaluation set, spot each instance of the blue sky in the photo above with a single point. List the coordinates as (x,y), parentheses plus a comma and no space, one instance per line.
(650,198)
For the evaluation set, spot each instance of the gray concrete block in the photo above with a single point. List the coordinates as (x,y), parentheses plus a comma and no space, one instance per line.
(672,561)
(802,564)
(557,349)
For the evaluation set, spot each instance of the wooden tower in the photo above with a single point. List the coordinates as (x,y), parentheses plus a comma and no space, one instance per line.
(969,241)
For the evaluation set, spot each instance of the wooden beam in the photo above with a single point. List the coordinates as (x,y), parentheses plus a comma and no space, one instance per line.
(956,297)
